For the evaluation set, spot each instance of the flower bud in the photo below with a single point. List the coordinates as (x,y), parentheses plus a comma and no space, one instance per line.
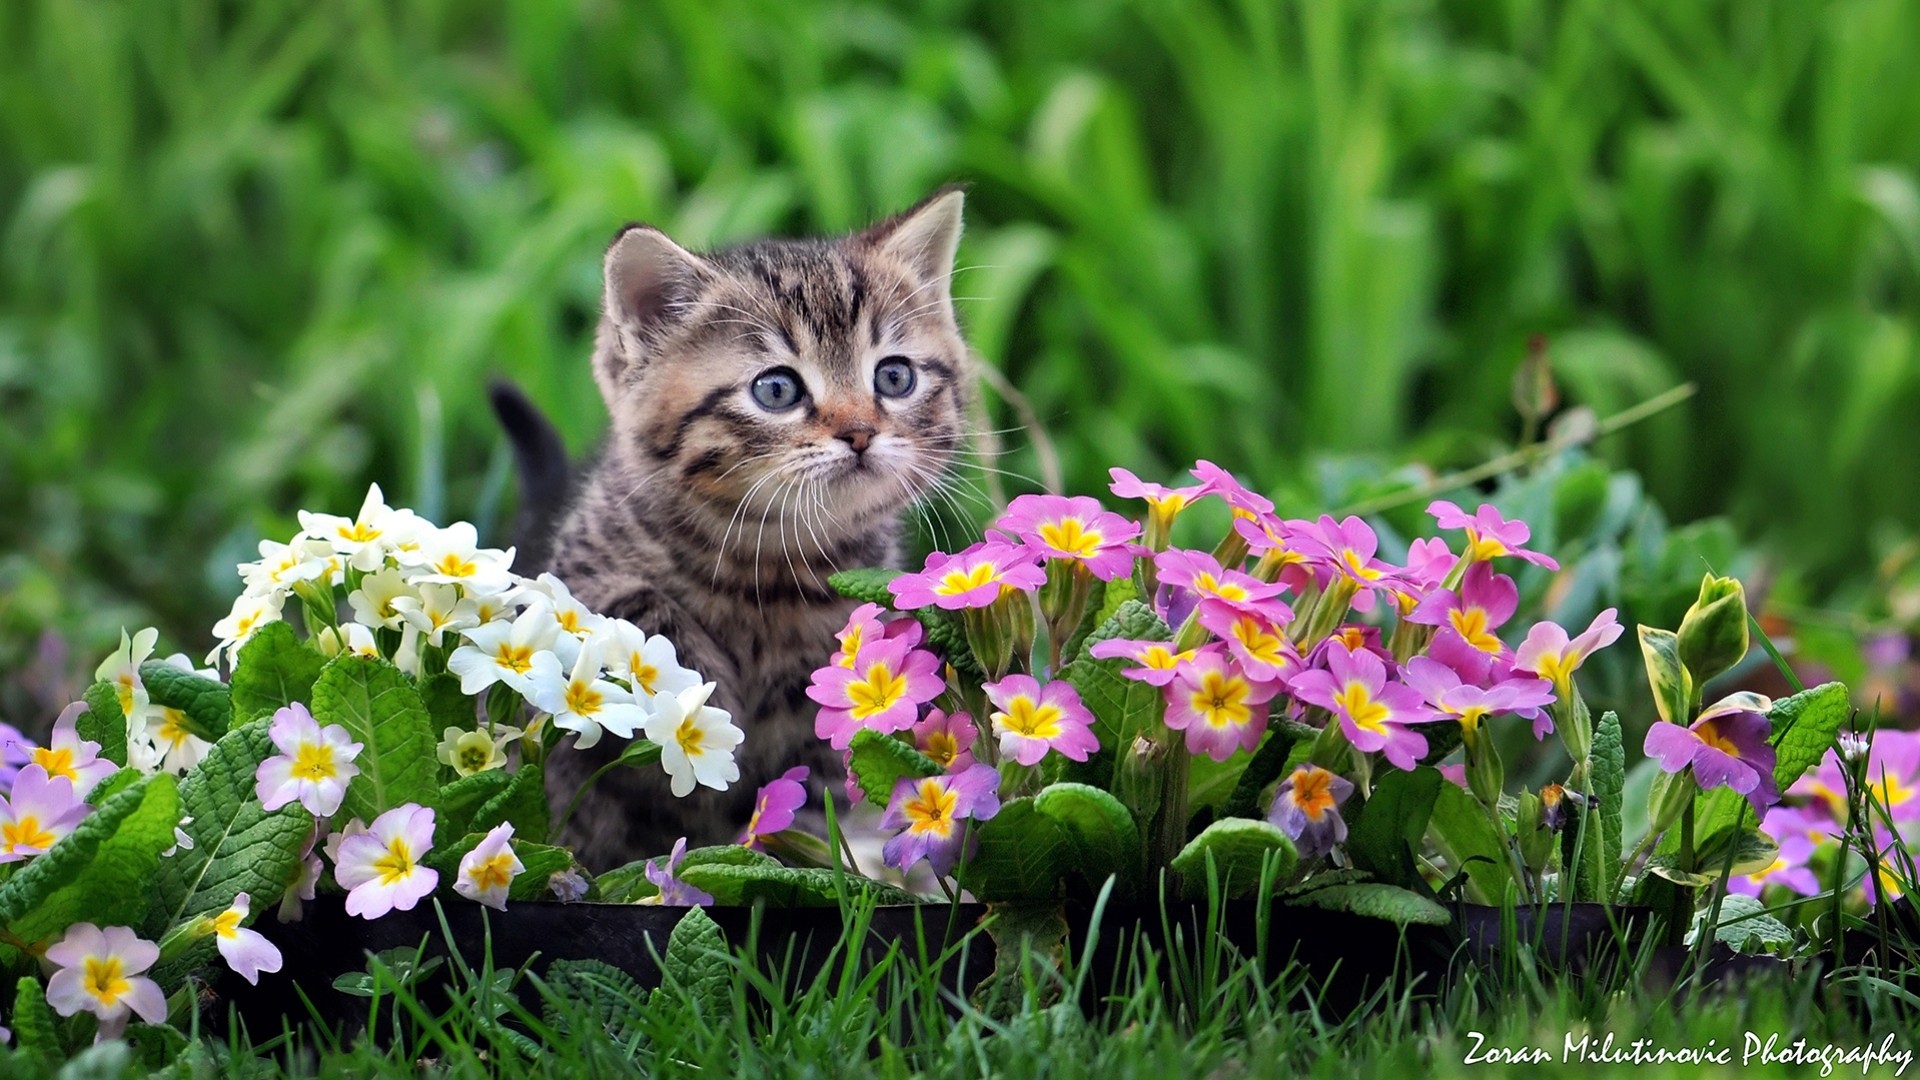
(1486,775)
(1535,839)
(1713,636)
(1671,795)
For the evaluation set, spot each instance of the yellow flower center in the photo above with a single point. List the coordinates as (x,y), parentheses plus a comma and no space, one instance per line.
(1226,590)
(1033,719)
(1313,793)
(173,727)
(850,645)
(452,565)
(689,736)
(1471,622)
(1356,568)
(227,923)
(1710,734)
(642,674)
(515,658)
(1071,536)
(359,532)
(245,624)
(932,809)
(1357,702)
(583,699)
(1353,637)
(569,621)
(956,582)
(314,763)
(396,865)
(1481,548)
(1221,701)
(1554,668)
(123,688)
(1470,718)
(1161,658)
(472,753)
(942,747)
(23,833)
(1890,792)
(1262,646)
(881,690)
(494,873)
(106,980)
(57,761)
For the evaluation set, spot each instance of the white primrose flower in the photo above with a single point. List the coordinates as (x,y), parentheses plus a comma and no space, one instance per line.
(453,556)
(365,539)
(472,752)
(350,638)
(249,614)
(696,740)
(573,616)
(282,566)
(520,653)
(647,662)
(488,870)
(436,609)
(587,704)
(167,745)
(493,607)
(122,669)
(377,602)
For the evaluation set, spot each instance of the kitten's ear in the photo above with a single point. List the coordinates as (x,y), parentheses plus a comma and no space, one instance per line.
(925,236)
(648,279)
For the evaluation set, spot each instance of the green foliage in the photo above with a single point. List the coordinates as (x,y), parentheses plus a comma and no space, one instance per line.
(696,965)
(381,710)
(461,799)
(881,761)
(1105,839)
(102,872)
(1745,925)
(539,863)
(1376,900)
(742,884)
(35,1030)
(599,994)
(1265,767)
(1605,838)
(523,801)
(1467,835)
(104,722)
(1389,826)
(274,669)
(1671,684)
(446,705)
(237,845)
(1236,850)
(1122,707)
(1023,855)
(206,703)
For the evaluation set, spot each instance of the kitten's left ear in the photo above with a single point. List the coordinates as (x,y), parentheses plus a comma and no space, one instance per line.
(925,236)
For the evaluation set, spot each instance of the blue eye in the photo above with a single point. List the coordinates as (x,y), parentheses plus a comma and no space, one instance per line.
(777,390)
(894,377)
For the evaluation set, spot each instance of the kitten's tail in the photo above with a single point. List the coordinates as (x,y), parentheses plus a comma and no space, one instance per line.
(540,458)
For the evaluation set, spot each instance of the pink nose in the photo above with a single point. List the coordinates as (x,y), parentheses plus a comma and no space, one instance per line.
(857,436)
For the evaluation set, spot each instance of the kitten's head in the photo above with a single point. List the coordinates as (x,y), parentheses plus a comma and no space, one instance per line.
(812,374)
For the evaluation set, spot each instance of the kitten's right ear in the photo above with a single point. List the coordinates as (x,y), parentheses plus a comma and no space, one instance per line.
(649,280)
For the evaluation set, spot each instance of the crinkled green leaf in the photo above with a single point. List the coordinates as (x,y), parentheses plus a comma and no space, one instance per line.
(1023,855)
(1378,901)
(1746,926)
(446,705)
(881,761)
(1605,838)
(1804,726)
(462,799)
(238,846)
(696,965)
(1122,708)
(523,801)
(1105,839)
(274,669)
(866,584)
(600,995)
(726,855)
(626,884)
(102,872)
(155,1046)
(1023,934)
(1737,851)
(35,1030)
(382,711)
(113,785)
(206,705)
(1666,675)
(1466,835)
(1237,849)
(1388,828)
(104,722)
(744,884)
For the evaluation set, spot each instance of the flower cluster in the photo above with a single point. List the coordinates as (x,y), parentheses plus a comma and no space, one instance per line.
(1818,815)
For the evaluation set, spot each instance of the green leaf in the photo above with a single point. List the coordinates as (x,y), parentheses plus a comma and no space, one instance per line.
(1737,851)
(446,705)
(35,1030)
(381,710)
(600,994)
(1122,708)
(1024,935)
(523,801)
(1804,727)
(206,705)
(696,965)
(113,785)
(1746,926)
(745,884)
(1378,901)
(102,872)
(726,855)
(1666,675)
(880,761)
(274,670)
(1023,855)
(155,1046)
(238,846)
(865,584)
(1389,827)
(1462,827)
(1237,849)
(626,884)
(461,799)
(1269,761)
(1102,600)
(1605,840)
(104,722)
(1105,839)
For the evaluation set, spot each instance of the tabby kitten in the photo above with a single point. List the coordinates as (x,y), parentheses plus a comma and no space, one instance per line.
(774,406)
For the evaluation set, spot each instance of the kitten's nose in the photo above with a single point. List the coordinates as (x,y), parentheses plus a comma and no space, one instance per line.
(857,436)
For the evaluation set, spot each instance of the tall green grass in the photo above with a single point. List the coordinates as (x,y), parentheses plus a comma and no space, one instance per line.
(254,255)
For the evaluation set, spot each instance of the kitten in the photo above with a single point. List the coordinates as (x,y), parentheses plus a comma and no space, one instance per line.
(774,407)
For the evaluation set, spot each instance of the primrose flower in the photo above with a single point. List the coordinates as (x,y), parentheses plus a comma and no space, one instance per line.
(1076,529)
(1264,652)
(489,869)
(313,766)
(883,691)
(381,869)
(1199,573)
(696,740)
(282,566)
(974,578)
(168,746)
(673,891)
(932,811)
(1345,550)
(39,811)
(947,739)
(364,539)
(1727,747)
(16,750)
(453,556)
(521,654)
(1485,602)
(1306,806)
(478,751)
(376,603)
(1032,719)
(1489,535)
(435,609)
(1892,773)
(774,807)
(573,616)
(305,881)
(1163,503)
(247,952)
(1550,654)
(100,972)
(1789,868)
(1373,711)
(351,638)
(1246,503)
(1156,659)
(648,662)
(122,670)
(68,755)
(586,704)
(1440,685)
(1218,705)
(248,615)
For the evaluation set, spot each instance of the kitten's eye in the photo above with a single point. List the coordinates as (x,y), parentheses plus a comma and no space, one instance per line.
(894,377)
(777,390)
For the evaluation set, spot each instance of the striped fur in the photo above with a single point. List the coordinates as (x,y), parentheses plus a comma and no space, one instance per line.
(716,522)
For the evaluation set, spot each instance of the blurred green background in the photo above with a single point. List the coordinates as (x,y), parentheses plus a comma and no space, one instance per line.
(254,255)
